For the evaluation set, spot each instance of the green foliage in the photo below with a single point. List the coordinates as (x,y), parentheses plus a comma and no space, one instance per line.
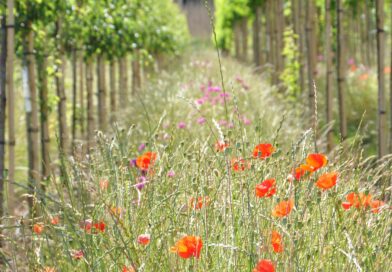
(290,74)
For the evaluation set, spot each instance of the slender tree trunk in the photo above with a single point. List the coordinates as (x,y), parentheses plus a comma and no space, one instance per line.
(341,70)
(102,111)
(273,43)
(256,38)
(136,73)
(123,84)
(90,104)
(81,93)
(301,40)
(382,113)
(244,39)
(74,96)
(279,36)
(31,119)
(11,104)
(268,32)
(62,104)
(44,116)
(328,56)
(3,60)
(390,92)
(237,39)
(311,55)
(113,104)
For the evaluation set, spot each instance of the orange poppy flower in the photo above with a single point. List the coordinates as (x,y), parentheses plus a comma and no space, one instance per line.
(327,181)
(263,151)
(283,208)
(49,269)
(55,220)
(276,241)
(239,164)
(128,269)
(146,160)
(266,189)
(356,200)
(221,146)
(387,70)
(144,239)
(103,184)
(299,172)
(376,205)
(364,76)
(38,228)
(188,246)
(353,68)
(264,266)
(315,162)
(197,205)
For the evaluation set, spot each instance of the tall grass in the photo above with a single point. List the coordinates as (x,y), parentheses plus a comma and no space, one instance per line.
(169,119)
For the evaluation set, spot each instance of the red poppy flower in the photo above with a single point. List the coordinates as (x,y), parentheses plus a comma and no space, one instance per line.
(327,181)
(38,228)
(77,254)
(221,146)
(144,239)
(239,164)
(357,200)
(264,266)
(100,226)
(146,160)
(316,161)
(283,208)
(376,205)
(188,246)
(55,220)
(299,172)
(276,241)
(266,189)
(263,151)
(201,201)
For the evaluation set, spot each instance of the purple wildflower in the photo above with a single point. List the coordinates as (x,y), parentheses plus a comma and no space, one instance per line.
(181,125)
(201,120)
(141,147)
(171,173)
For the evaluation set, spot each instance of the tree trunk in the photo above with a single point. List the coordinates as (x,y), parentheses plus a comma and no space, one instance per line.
(244,39)
(74,96)
(3,60)
(31,119)
(102,112)
(256,38)
(279,37)
(382,113)
(90,104)
(311,56)
(11,104)
(390,94)
(273,43)
(123,86)
(113,105)
(81,93)
(62,104)
(136,73)
(329,83)
(237,39)
(341,70)
(44,116)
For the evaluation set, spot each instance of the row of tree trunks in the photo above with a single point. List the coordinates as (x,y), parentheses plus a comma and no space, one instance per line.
(11,104)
